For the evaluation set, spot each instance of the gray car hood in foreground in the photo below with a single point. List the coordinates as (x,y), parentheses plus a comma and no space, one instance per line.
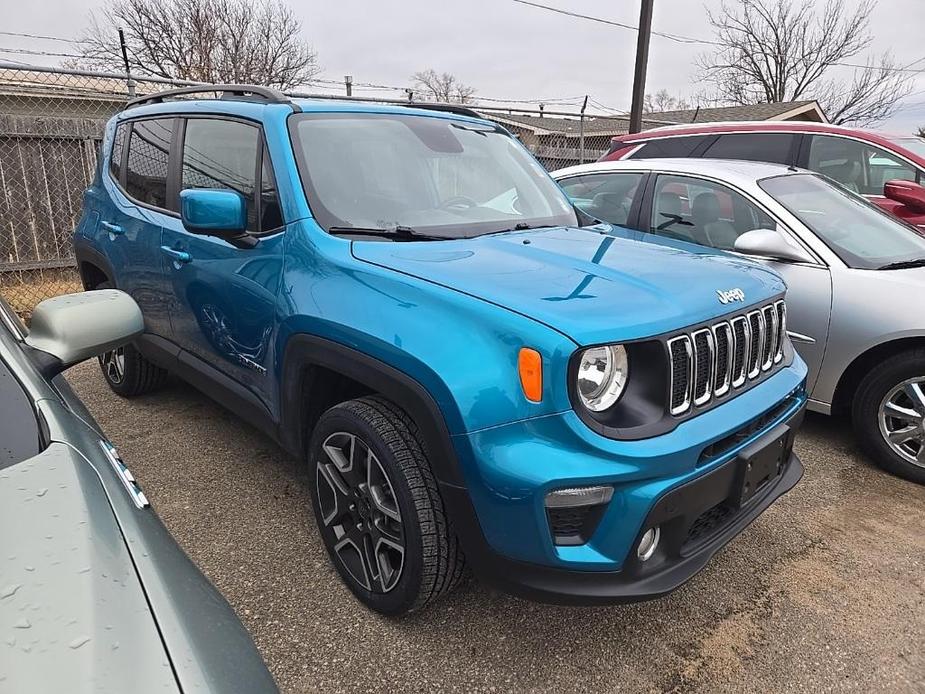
(73,616)
(95,594)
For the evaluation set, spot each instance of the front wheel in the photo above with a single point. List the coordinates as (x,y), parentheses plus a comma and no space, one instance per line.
(378,507)
(888,414)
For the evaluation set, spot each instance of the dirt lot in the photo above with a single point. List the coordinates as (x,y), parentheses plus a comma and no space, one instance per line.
(825,592)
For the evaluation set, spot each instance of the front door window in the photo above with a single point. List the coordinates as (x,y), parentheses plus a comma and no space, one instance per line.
(703,212)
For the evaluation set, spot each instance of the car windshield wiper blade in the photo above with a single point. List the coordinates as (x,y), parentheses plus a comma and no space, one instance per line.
(399,233)
(903,264)
(522,226)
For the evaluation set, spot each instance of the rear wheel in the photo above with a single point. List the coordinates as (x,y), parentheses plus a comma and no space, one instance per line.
(127,371)
(888,413)
(378,507)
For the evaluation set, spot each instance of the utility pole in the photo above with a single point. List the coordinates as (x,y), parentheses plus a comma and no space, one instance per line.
(348,82)
(642,59)
(129,82)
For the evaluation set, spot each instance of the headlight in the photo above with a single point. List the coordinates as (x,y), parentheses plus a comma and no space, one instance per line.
(602,374)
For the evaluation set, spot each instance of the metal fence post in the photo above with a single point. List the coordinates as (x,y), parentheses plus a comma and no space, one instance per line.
(581,132)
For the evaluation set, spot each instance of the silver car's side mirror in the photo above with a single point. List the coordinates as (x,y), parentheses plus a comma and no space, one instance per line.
(769,243)
(71,328)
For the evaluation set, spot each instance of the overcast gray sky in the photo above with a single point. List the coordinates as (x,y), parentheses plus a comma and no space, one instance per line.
(504,49)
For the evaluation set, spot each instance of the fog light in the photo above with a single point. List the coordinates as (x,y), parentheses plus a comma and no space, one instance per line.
(579,496)
(648,543)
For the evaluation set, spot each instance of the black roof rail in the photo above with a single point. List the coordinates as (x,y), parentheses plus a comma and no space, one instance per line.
(449,108)
(242,92)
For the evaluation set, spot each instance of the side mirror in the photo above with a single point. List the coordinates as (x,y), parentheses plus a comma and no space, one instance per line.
(769,243)
(907,193)
(216,212)
(68,329)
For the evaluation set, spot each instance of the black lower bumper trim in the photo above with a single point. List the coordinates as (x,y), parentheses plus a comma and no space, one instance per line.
(679,556)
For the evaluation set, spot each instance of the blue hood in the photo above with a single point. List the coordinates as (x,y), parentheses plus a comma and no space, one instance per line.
(591,286)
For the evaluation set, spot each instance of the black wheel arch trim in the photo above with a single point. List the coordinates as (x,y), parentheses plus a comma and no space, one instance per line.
(84,254)
(304,350)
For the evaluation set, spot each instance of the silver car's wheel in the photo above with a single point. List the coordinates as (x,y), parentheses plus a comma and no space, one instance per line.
(113,365)
(902,420)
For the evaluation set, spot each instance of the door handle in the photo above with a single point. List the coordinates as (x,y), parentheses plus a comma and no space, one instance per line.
(112,228)
(178,256)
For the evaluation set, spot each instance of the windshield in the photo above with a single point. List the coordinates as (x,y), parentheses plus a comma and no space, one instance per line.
(435,175)
(857,231)
(916,145)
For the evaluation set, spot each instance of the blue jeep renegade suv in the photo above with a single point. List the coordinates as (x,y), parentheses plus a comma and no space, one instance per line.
(403,297)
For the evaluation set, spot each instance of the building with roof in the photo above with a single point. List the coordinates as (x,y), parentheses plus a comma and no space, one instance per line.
(562,141)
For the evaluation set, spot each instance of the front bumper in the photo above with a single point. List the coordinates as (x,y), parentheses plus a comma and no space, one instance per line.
(665,481)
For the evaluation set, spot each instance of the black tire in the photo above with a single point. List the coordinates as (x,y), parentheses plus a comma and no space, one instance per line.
(126,371)
(431,563)
(871,394)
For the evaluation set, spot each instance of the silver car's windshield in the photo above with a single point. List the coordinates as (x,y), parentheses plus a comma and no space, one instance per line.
(445,177)
(857,231)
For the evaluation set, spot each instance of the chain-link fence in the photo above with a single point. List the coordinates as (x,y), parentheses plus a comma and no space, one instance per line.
(51,124)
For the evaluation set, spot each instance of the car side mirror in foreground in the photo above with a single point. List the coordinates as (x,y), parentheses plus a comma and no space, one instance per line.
(769,243)
(216,212)
(908,193)
(71,328)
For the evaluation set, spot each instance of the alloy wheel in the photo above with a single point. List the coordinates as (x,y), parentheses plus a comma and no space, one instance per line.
(902,420)
(113,365)
(359,508)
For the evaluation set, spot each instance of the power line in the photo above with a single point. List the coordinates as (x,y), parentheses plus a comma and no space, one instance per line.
(37,36)
(673,37)
(26,51)
(693,40)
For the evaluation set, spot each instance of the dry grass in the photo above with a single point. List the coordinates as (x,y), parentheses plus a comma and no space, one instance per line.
(24,289)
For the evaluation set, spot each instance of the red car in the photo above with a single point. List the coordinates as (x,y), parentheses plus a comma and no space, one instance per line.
(887,169)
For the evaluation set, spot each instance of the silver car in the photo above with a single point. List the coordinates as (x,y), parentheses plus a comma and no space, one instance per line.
(856,276)
(95,595)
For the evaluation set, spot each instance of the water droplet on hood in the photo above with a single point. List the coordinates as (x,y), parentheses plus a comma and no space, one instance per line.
(9,591)
(78,642)
(22,624)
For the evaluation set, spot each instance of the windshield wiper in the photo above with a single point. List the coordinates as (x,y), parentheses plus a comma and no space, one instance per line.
(903,264)
(399,233)
(521,226)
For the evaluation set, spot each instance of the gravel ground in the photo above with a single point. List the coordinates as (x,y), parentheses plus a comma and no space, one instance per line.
(824,592)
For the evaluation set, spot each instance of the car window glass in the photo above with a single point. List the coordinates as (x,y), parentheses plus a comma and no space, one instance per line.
(115,157)
(665,147)
(146,171)
(858,166)
(222,154)
(704,212)
(857,231)
(605,196)
(438,175)
(882,167)
(770,147)
(271,216)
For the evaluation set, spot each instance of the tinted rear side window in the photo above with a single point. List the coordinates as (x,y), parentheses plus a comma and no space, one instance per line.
(146,171)
(115,157)
(770,147)
(222,154)
(666,147)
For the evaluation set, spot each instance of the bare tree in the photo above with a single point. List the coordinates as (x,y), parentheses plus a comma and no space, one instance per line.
(662,100)
(921,132)
(781,50)
(441,87)
(202,40)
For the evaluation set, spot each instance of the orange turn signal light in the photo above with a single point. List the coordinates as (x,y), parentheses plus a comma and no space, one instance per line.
(530,368)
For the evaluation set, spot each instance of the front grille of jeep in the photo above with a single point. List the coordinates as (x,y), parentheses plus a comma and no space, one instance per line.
(710,361)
